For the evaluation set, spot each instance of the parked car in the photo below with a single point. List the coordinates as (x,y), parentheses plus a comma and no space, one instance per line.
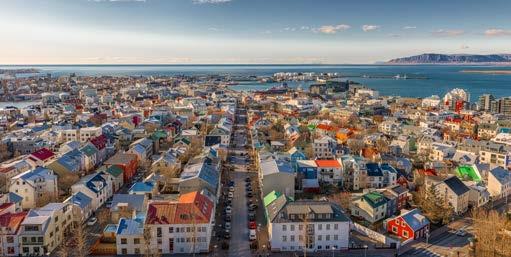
(252,207)
(92,221)
(228,209)
(252,225)
(461,232)
(231,189)
(252,235)
(249,194)
(251,217)
(230,195)
(248,179)
(231,183)
(227,225)
(227,234)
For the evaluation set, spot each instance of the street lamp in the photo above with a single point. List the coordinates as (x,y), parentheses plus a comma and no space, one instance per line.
(333,250)
(365,250)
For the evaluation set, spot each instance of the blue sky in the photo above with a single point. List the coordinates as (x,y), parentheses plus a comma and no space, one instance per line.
(247,31)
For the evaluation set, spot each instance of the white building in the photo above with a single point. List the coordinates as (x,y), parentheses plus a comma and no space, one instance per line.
(33,185)
(315,225)
(97,186)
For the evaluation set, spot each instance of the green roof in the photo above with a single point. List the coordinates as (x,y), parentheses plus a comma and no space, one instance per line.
(114,170)
(375,199)
(468,172)
(311,127)
(184,140)
(159,134)
(272,196)
(89,150)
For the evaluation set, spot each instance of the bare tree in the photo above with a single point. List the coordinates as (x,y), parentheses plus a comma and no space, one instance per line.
(356,145)
(81,248)
(63,251)
(492,233)
(103,216)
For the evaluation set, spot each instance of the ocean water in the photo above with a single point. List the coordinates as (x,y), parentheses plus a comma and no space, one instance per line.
(438,79)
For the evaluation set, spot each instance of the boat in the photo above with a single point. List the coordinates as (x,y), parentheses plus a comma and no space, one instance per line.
(282,89)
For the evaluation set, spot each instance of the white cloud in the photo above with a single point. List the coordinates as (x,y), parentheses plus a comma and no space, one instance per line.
(367,28)
(210,1)
(497,32)
(304,27)
(332,29)
(409,27)
(448,33)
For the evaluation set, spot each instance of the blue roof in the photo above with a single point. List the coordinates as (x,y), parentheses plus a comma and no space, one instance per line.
(71,160)
(96,182)
(284,166)
(35,173)
(415,219)
(142,187)
(81,200)
(129,227)
(15,198)
(388,167)
(373,170)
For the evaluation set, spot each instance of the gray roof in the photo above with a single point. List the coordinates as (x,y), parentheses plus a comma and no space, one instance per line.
(134,201)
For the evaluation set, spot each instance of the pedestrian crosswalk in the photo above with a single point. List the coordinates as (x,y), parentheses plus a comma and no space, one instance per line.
(423,252)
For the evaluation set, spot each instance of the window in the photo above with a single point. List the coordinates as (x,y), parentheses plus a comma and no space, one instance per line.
(124,251)
(124,241)
(327,237)
(327,226)
(137,251)
(320,226)
(292,238)
(292,227)
(336,226)
(10,239)
(405,234)
(336,237)
(394,229)
(136,241)
(25,250)
(320,237)
(284,238)
(171,230)
(284,228)
(158,232)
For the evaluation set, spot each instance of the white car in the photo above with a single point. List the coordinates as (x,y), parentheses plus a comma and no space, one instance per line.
(230,195)
(92,221)
(228,210)
(252,235)
(227,225)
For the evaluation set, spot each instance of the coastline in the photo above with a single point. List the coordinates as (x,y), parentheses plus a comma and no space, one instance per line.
(488,72)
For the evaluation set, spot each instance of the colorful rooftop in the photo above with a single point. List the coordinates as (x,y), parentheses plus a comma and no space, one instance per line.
(469,173)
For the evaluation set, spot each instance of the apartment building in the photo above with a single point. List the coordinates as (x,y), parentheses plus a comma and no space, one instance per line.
(33,185)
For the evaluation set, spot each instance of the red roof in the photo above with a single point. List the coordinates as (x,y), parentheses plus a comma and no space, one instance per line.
(328,163)
(43,154)
(5,206)
(99,142)
(167,212)
(428,172)
(12,221)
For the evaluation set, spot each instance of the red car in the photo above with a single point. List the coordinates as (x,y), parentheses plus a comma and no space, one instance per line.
(252,225)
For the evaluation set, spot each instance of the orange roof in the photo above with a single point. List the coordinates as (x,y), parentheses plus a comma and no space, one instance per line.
(325,127)
(12,221)
(328,163)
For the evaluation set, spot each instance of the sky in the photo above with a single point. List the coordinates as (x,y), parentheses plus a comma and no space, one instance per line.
(247,31)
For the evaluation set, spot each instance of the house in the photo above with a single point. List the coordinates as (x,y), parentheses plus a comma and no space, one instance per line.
(200,174)
(97,186)
(168,163)
(329,171)
(127,162)
(116,173)
(441,152)
(34,186)
(11,168)
(183,226)
(41,157)
(499,183)
(354,168)
(12,198)
(143,148)
(371,207)
(45,228)
(378,175)
(276,175)
(10,223)
(90,156)
(127,206)
(324,148)
(453,191)
(82,205)
(70,163)
(410,224)
(129,236)
(101,143)
(316,225)
(478,195)
(148,188)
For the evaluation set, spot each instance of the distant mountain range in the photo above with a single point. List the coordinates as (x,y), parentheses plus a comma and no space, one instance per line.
(452,59)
